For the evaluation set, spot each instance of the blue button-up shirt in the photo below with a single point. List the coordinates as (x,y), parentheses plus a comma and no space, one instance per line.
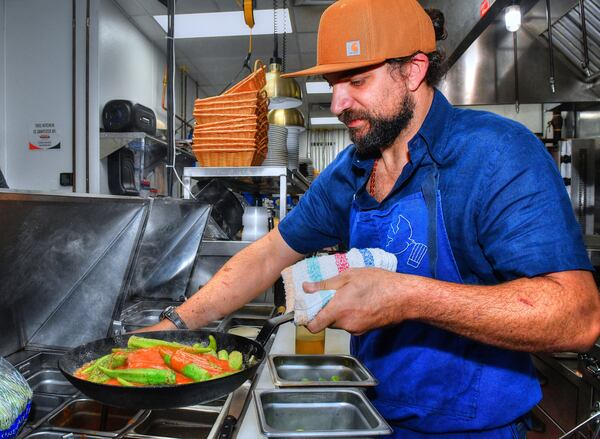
(505,207)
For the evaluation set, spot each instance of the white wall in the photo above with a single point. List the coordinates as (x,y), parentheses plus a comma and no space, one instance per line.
(35,73)
(36,85)
(130,66)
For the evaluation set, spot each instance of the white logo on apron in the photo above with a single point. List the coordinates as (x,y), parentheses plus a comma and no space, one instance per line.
(399,237)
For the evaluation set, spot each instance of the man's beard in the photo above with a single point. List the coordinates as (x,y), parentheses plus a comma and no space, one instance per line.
(382,132)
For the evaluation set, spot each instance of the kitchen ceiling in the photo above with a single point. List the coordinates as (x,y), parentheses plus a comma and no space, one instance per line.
(214,62)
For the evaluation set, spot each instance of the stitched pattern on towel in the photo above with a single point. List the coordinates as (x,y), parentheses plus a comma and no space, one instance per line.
(314,273)
(367,257)
(342,262)
(314,270)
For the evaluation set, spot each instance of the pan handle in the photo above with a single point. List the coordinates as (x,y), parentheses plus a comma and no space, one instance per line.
(270,326)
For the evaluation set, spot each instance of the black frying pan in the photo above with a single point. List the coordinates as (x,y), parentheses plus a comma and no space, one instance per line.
(162,397)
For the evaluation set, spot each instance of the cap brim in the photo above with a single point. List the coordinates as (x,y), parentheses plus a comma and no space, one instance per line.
(333,68)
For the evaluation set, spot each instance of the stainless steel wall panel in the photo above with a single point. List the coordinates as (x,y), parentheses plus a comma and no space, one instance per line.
(484,74)
(207,266)
(63,261)
(585,194)
(204,269)
(168,249)
(588,124)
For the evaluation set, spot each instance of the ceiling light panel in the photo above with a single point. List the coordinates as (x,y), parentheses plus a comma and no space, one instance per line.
(226,24)
(320,87)
(325,121)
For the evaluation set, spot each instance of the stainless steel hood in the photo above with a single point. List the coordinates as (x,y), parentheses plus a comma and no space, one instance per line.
(482,63)
(581,48)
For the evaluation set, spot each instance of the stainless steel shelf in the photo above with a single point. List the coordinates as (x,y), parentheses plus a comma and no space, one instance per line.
(262,179)
(111,142)
(295,178)
(222,248)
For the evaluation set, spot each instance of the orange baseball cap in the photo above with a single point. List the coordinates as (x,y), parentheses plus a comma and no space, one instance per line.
(360,33)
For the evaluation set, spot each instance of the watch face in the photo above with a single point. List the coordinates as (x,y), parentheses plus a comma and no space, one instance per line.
(166,312)
(171,314)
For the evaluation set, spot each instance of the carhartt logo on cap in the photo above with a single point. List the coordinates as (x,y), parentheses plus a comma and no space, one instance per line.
(352,48)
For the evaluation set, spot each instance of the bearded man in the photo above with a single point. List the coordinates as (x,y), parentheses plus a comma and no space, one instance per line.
(504,271)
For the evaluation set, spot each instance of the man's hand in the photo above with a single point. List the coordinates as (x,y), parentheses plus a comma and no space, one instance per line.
(365,299)
(554,312)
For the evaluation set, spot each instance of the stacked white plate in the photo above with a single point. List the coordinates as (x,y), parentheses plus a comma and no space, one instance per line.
(292,147)
(277,154)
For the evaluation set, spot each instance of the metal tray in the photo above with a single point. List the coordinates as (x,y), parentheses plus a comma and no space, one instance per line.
(36,361)
(89,416)
(42,406)
(50,381)
(310,413)
(177,423)
(49,434)
(255,310)
(194,422)
(318,370)
(232,325)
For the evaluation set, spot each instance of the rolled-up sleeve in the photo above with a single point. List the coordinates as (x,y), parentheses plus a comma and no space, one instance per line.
(321,218)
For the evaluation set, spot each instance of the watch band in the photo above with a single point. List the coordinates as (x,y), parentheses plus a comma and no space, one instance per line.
(170,313)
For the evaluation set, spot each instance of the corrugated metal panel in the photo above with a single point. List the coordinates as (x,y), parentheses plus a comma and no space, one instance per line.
(325,145)
(568,36)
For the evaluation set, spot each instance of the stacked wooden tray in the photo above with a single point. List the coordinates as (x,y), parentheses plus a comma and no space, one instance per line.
(231,129)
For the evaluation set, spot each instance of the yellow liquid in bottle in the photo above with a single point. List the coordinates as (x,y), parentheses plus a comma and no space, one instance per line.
(309,343)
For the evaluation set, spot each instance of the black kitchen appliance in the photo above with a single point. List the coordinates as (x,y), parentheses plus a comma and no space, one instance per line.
(121,173)
(120,115)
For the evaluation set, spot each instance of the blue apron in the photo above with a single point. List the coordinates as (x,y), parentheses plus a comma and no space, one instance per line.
(429,378)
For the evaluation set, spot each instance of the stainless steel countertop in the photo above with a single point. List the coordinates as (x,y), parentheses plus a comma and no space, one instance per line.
(336,342)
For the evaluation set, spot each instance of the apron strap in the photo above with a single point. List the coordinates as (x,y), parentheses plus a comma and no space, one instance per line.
(429,188)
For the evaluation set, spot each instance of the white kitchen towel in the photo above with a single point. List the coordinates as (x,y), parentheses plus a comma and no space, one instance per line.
(306,306)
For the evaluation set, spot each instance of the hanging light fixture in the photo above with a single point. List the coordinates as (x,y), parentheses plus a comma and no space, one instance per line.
(512,17)
(282,92)
(291,118)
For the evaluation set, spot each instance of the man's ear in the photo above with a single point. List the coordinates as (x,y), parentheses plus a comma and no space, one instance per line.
(416,70)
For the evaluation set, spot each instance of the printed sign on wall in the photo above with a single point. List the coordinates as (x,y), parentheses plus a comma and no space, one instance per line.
(43,135)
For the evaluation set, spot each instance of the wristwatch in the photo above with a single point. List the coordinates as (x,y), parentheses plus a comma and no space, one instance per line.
(170,313)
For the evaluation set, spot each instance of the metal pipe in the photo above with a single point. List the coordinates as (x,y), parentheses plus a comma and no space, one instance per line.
(74,93)
(87,97)
(184,105)
(181,92)
(584,37)
(594,416)
(550,47)
(170,95)
(516,67)
(592,78)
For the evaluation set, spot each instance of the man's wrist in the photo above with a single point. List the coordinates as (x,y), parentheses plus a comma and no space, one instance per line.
(166,325)
(170,314)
